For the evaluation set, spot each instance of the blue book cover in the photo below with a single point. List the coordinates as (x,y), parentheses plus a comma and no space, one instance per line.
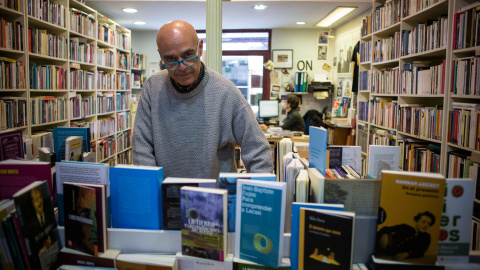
(296,223)
(60,134)
(136,188)
(318,149)
(228,181)
(204,220)
(260,222)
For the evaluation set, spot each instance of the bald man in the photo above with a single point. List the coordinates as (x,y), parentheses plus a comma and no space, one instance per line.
(190,118)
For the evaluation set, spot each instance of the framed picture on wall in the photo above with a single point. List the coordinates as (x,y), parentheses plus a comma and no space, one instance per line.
(282,58)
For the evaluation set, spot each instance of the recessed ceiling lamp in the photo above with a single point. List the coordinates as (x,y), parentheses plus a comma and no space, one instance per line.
(139,23)
(300,22)
(334,16)
(129,10)
(259,7)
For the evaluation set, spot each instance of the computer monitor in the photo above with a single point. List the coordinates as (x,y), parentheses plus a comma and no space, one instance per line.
(267,108)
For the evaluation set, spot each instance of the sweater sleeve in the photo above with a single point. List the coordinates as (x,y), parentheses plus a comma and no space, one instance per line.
(256,152)
(143,150)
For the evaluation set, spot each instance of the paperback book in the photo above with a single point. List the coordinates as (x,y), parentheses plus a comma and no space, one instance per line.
(11,144)
(381,157)
(73,148)
(204,220)
(318,149)
(60,134)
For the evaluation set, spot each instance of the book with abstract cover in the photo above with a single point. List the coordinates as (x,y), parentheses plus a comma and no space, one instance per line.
(204,220)
(409,217)
(38,225)
(325,239)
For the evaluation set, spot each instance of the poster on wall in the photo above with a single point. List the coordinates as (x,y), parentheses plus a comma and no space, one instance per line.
(344,45)
(322,52)
(347,87)
(323,37)
(339,87)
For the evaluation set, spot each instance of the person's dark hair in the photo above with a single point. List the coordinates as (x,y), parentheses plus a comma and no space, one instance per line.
(426,213)
(293,101)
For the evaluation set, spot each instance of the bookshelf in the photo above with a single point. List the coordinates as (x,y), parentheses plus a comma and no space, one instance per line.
(83,73)
(396,44)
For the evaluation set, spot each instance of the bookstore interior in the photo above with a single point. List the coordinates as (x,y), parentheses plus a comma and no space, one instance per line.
(386,176)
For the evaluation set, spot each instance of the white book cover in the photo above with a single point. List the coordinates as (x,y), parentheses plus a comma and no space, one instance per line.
(381,157)
(73,148)
(317,185)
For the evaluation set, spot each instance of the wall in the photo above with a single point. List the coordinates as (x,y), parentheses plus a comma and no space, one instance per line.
(144,42)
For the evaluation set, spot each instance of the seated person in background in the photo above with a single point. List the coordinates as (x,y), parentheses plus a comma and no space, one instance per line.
(294,121)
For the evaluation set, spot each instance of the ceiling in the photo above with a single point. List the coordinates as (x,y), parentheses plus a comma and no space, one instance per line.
(236,14)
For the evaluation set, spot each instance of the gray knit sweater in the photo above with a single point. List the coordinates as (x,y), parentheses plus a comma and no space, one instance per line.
(194,134)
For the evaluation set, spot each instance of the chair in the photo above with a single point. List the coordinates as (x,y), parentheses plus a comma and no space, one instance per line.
(312,118)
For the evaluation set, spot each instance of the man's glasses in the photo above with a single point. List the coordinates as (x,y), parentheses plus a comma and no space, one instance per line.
(186,62)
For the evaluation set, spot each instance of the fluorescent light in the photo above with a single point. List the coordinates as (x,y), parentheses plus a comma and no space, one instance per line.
(129,10)
(139,23)
(259,7)
(300,22)
(334,16)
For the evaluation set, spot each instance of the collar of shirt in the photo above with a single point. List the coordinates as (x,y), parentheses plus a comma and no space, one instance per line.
(189,88)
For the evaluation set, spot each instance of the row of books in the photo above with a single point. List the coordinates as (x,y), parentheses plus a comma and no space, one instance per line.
(466,76)
(48,11)
(366,51)
(420,78)
(363,137)
(465,28)
(13,112)
(138,79)
(125,157)
(12,74)
(364,82)
(42,42)
(379,136)
(124,121)
(425,36)
(81,106)
(106,148)
(383,112)
(386,15)
(387,48)
(49,77)
(425,122)
(411,7)
(106,34)
(106,57)
(123,40)
(123,60)
(48,109)
(84,124)
(105,80)
(105,127)
(123,80)
(362,110)
(419,156)
(386,81)
(12,35)
(105,102)
(123,100)
(139,61)
(81,79)
(463,125)
(124,140)
(81,51)
(82,23)
(462,164)
(12,4)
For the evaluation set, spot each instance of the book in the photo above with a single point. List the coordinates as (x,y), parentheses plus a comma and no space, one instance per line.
(317,155)
(171,198)
(70,256)
(381,157)
(11,144)
(239,264)
(204,222)
(294,240)
(145,262)
(17,174)
(38,225)
(82,173)
(140,186)
(85,217)
(228,181)
(259,224)
(73,148)
(409,217)
(184,262)
(456,224)
(302,186)
(60,134)
(317,185)
(325,239)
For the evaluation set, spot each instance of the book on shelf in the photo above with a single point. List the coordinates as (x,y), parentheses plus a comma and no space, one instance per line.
(260,221)
(146,182)
(295,240)
(325,239)
(228,181)
(239,264)
(456,224)
(38,226)
(70,256)
(17,174)
(204,222)
(11,144)
(184,262)
(317,185)
(73,148)
(15,254)
(381,157)
(85,217)
(172,215)
(409,217)
(81,267)
(302,186)
(60,134)
(293,167)
(145,262)
(318,149)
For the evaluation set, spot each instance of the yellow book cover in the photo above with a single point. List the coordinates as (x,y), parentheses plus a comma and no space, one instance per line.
(409,216)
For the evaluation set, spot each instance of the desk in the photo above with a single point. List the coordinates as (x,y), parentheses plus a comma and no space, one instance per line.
(338,135)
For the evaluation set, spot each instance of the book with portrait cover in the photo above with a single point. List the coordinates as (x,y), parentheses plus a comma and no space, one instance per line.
(38,225)
(260,221)
(204,222)
(85,217)
(325,239)
(409,217)
(228,181)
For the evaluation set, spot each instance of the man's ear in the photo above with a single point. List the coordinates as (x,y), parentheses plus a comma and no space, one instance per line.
(200,48)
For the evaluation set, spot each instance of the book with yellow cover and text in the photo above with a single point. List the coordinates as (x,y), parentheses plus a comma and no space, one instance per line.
(409,216)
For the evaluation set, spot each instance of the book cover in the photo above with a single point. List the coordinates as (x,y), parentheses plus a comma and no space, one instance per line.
(171,198)
(60,134)
(456,223)
(134,188)
(294,240)
(409,216)
(73,148)
(204,221)
(239,264)
(317,155)
(317,185)
(17,174)
(325,239)
(11,144)
(260,222)
(39,228)
(335,157)
(70,256)
(381,157)
(228,181)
